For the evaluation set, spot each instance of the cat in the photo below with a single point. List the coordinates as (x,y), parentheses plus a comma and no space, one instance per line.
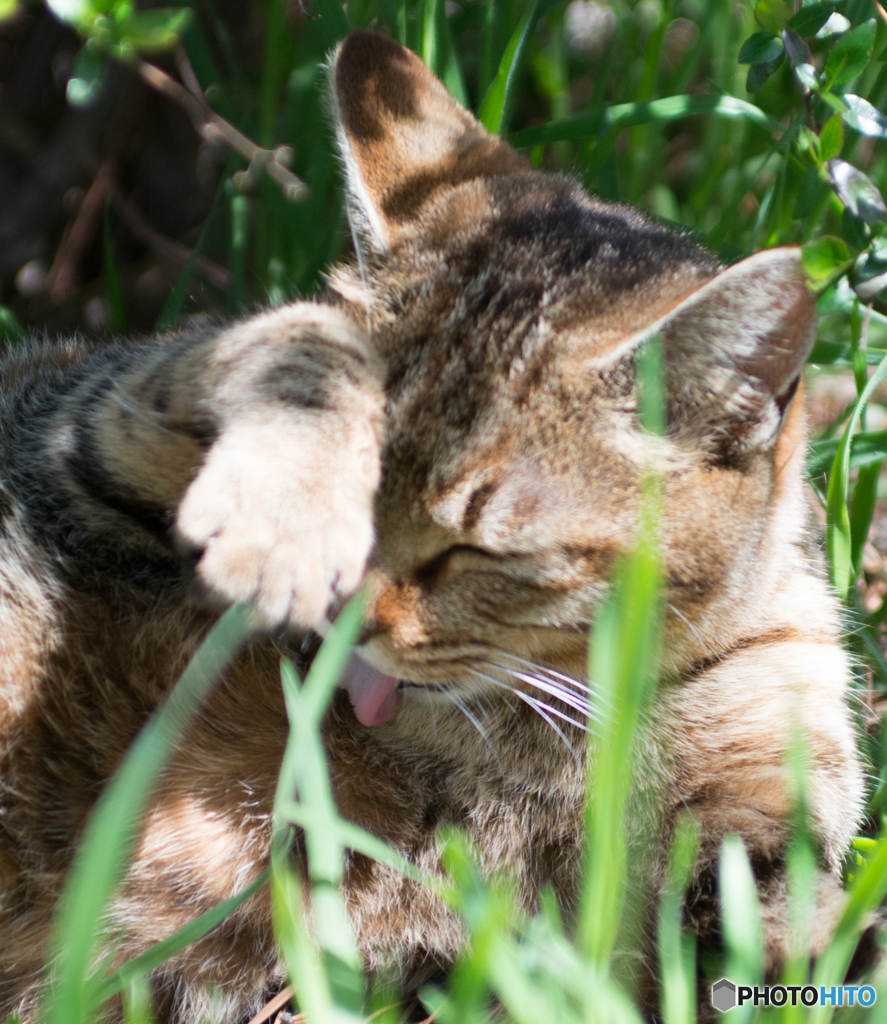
(456,424)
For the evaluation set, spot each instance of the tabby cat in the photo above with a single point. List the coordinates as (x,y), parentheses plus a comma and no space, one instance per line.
(457,423)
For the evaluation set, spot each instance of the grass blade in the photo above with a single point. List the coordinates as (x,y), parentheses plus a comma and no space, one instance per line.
(866,895)
(327,979)
(838,535)
(176,298)
(112,828)
(333,20)
(865,449)
(239,237)
(677,950)
(741,917)
(495,107)
(623,665)
(159,953)
(112,281)
(862,509)
(626,115)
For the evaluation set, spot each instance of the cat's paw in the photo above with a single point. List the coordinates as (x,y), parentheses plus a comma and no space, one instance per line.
(280,513)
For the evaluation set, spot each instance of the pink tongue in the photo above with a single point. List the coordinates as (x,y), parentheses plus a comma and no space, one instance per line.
(375,697)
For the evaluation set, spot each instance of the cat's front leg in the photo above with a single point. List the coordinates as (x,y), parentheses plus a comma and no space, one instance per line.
(280,513)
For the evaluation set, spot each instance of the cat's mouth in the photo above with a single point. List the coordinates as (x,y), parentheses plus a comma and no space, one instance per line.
(376,697)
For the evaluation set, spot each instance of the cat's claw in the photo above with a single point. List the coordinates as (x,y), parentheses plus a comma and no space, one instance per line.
(280,514)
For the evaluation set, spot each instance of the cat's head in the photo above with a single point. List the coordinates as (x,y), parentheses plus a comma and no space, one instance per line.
(511,308)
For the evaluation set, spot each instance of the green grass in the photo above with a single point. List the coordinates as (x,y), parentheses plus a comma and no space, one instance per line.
(693,110)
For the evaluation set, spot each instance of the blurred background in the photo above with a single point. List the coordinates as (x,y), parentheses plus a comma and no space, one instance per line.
(102,176)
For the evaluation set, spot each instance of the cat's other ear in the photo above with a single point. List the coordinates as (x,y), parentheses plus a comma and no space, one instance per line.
(734,350)
(404,140)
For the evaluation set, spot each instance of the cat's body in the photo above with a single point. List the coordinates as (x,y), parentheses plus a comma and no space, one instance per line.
(504,308)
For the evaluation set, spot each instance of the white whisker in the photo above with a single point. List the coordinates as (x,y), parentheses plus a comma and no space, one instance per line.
(588,708)
(463,707)
(545,711)
(542,710)
(551,673)
(687,623)
(553,690)
(533,701)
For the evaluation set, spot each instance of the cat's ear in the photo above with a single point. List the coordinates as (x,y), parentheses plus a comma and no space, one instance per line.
(403,138)
(734,350)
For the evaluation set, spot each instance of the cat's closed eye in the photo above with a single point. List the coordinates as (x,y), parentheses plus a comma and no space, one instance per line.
(454,557)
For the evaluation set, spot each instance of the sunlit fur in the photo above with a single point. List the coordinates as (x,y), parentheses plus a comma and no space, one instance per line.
(505,309)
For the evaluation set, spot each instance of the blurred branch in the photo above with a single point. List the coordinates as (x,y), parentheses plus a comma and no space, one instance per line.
(277,1003)
(62,278)
(212,126)
(165,247)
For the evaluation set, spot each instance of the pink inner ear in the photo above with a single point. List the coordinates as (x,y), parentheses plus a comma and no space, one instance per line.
(375,697)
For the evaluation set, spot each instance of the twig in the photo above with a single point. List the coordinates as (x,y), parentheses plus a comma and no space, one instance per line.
(269,1009)
(62,277)
(168,248)
(880,10)
(212,126)
(187,73)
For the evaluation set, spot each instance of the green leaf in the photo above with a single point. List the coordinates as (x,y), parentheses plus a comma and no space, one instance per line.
(759,73)
(797,50)
(850,54)
(809,20)
(823,256)
(74,12)
(8,8)
(865,118)
(626,115)
(87,76)
(11,329)
(772,15)
(760,48)
(806,75)
(495,108)
(836,25)
(870,275)
(831,138)
(155,31)
(857,192)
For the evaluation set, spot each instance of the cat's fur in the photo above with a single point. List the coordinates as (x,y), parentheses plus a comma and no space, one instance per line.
(486,348)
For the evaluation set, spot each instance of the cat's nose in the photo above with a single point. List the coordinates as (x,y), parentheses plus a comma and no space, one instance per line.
(375,584)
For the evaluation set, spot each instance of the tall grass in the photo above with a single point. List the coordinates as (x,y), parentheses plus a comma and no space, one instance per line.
(730,120)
